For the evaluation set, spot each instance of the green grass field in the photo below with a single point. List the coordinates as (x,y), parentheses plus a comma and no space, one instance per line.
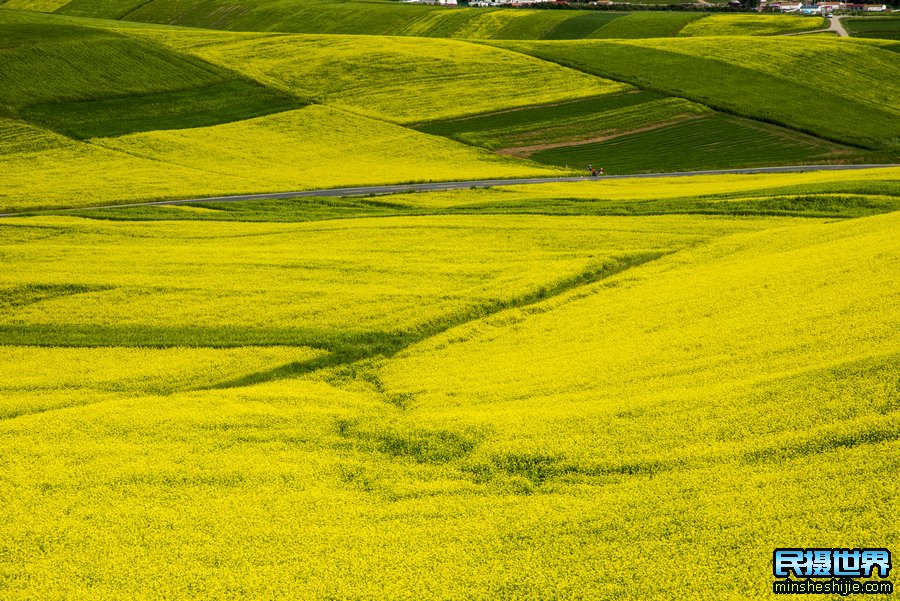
(712,142)
(611,388)
(886,28)
(196,107)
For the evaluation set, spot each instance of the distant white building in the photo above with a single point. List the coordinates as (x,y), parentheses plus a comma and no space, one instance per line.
(828,7)
(875,8)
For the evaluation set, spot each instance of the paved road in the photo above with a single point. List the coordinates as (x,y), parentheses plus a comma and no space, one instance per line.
(838,27)
(461,185)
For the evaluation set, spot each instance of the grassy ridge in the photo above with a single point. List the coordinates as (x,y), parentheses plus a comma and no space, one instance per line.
(45,63)
(836,100)
(581,26)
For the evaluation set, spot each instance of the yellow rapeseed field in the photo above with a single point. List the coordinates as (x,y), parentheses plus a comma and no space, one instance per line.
(400,272)
(35,379)
(739,394)
(612,389)
(314,147)
(428,79)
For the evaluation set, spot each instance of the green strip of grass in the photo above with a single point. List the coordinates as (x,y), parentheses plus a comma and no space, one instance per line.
(196,107)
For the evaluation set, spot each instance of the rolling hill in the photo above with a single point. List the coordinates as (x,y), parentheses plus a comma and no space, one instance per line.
(807,84)
(396,19)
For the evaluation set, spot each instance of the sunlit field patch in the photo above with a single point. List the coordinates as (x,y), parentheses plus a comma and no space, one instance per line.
(304,149)
(430,79)
(208,283)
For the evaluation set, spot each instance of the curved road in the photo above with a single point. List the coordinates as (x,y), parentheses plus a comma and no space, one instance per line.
(460,185)
(834,26)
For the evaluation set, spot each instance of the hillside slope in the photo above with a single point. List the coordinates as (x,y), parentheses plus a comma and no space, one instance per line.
(812,85)
(398,19)
(276,153)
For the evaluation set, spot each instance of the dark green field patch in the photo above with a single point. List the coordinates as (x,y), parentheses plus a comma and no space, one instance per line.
(885,28)
(646,25)
(16,32)
(197,107)
(579,120)
(581,26)
(713,142)
(61,63)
